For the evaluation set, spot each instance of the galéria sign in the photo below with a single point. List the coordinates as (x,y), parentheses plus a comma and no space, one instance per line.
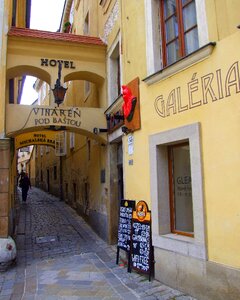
(211,87)
(58,116)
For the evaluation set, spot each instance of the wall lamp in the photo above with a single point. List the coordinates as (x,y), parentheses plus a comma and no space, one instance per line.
(59,91)
(115,116)
(99,130)
(125,130)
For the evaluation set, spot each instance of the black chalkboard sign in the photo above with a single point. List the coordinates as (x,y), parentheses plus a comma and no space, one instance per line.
(125,227)
(141,241)
(125,223)
(141,246)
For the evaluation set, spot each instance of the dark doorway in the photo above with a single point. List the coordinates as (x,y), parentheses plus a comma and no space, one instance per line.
(48,181)
(120,172)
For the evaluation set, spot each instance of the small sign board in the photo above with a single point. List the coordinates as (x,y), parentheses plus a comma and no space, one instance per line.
(141,241)
(130,144)
(125,226)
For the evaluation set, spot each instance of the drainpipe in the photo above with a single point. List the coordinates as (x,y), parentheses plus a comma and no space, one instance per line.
(60,178)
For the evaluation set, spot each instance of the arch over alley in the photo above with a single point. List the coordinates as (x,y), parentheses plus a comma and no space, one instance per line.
(37,118)
(38,53)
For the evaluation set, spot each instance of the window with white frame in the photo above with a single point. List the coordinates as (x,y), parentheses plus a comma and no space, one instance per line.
(179,30)
(114,71)
(86,25)
(77,4)
(174,29)
(177,191)
(71,15)
(87,87)
(72,140)
(180,189)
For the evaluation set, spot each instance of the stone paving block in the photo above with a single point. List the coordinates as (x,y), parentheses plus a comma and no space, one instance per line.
(129,296)
(6,297)
(185,297)
(76,265)
(6,292)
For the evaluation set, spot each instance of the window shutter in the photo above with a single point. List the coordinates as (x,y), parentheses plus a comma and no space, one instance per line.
(60,144)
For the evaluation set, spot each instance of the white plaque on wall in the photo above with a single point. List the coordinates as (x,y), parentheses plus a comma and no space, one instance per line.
(130,145)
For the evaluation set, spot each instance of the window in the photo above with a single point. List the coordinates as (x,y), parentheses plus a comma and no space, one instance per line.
(55,172)
(77,4)
(180,189)
(86,89)
(86,25)
(114,72)
(178,222)
(14,12)
(105,4)
(71,15)
(179,29)
(72,140)
(66,191)
(88,149)
(174,29)
(11,91)
(60,143)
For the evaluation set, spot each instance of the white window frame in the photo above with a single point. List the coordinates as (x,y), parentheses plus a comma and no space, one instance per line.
(111,70)
(87,89)
(71,14)
(153,33)
(161,229)
(86,25)
(72,140)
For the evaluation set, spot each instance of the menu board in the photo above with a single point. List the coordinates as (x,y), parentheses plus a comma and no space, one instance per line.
(125,224)
(141,251)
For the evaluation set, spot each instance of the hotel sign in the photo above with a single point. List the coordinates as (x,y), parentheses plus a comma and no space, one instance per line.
(46,62)
(35,138)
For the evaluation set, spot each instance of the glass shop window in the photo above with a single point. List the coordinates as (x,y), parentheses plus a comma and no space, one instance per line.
(180,187)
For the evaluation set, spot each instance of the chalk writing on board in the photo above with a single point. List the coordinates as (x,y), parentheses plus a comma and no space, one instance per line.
(141,246)
(125,224)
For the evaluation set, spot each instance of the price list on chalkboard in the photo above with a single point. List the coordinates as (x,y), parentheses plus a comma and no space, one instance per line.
(125,224)
(141,246)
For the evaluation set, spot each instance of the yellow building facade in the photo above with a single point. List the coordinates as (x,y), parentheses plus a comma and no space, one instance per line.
(182,161)
(181,158)
(16,14)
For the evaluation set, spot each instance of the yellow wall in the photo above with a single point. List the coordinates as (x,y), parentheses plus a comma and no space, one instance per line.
(133,39)
(219,119)
(219,130)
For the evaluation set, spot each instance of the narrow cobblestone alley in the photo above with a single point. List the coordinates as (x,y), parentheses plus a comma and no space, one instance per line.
(60,257)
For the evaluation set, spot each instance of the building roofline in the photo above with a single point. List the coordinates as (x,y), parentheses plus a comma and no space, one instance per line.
(55,36)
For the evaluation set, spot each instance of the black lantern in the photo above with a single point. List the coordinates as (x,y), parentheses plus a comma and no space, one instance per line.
(59,91)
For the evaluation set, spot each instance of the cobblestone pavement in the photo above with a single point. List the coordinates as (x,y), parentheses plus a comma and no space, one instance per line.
(60,257)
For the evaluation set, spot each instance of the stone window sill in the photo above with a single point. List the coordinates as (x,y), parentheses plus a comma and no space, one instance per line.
(182,64)
(182,244)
